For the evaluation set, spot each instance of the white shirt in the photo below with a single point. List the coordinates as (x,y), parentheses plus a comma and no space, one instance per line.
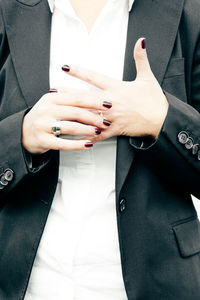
(78,257)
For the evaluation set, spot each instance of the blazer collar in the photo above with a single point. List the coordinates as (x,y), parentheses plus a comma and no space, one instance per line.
(28,26)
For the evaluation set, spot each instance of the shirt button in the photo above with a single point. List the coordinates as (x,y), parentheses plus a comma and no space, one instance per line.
(195,149)
(183,137)
(122,205)
(8,175)
(189,144)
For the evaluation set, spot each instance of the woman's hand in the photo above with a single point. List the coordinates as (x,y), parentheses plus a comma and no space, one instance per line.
(76,111)
(139,107)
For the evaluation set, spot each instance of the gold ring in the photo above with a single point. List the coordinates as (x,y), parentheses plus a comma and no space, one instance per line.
(100,113)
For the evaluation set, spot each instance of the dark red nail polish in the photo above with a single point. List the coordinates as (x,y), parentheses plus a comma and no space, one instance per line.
(106,122)
(66,68)
(88,145)
(97,130)
(143,44)
(53,91)
(107,104)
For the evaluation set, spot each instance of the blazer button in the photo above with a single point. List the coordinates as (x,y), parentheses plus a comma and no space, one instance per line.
(195,149)
(3,181)
(198,155)
(8,175)
(122,205)
(183,137)
(189,144)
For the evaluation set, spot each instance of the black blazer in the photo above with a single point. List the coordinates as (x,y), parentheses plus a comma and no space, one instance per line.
(159,233)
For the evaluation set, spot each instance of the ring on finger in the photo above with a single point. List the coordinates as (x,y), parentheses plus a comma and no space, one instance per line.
(56,128)
(100,113)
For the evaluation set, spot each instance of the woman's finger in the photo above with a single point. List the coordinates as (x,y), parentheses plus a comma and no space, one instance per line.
(105,134)
(80,98)
(75,128)
(141,60)
(56,143)
(81,115)
(101,81)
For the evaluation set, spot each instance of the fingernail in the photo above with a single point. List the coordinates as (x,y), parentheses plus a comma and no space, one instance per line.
(88,145)
(143,44)
(107,104)
(66,68)
(53,91)
(97,130)
(106,122)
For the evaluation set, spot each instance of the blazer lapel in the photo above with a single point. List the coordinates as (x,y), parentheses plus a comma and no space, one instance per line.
(158,22)
(28,26)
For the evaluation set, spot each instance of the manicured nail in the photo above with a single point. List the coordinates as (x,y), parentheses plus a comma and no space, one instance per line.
(66,68)
(88,145)
(97,130)
(107,104)
(53,91)
(106,122)
(143,44)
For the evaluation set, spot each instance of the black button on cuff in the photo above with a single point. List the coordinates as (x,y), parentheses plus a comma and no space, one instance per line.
(8,175)
(3,181)
(195,149)
(183,137)
(198,155)
(122,205)
(189,144)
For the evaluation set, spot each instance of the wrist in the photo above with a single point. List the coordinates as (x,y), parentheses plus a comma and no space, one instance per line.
(161,116)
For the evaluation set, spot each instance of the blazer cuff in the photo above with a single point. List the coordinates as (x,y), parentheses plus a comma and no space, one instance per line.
(35,162)
(169,155)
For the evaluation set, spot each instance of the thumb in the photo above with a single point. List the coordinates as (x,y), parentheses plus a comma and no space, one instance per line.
(141,60)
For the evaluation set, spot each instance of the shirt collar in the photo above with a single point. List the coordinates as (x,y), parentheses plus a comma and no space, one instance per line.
(51,4)
(130,4)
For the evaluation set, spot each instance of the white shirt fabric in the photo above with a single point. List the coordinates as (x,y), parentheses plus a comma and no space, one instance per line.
(78,257)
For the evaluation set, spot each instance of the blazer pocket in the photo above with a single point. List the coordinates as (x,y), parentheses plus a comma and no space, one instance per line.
(188,237)
(29,2)
(176,67)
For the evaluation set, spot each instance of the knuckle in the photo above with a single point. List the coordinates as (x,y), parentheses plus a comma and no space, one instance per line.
(45,97)
(48,98)
(53,145)
(99,102)
(77,113)
(139,56)
(87,130)
(91,130)
(37,125)
(62,147)
(78,101)
(41,140)
(89,77)
(75,127)
(99,122)
(42,108)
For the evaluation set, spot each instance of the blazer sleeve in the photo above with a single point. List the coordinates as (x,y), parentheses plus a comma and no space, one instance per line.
(15,162)
(175,155)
